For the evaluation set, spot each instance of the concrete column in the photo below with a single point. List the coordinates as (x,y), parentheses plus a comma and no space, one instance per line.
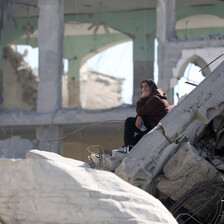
(1,86)
(166,20)
(74,94)
(50,41)
(74,84)
(166,31)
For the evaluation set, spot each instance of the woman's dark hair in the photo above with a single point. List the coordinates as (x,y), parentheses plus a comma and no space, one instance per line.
(151,83)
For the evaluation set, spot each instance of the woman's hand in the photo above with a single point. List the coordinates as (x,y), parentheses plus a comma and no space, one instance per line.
(139,121)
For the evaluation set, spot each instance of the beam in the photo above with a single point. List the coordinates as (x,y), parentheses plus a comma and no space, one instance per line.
(63,117)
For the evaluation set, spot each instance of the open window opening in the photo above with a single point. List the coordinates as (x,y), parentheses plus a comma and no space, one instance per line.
(190,79)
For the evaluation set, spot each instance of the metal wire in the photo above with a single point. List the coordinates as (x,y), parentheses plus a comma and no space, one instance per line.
(83,127)
(218,186)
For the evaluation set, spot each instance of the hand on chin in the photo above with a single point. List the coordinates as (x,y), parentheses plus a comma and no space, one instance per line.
(145,94)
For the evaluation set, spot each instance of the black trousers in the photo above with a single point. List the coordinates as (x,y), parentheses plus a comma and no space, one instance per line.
(131,133)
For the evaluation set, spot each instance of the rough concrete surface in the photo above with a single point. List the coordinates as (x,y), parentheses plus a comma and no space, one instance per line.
(48,191)
(184,170)
(183,124)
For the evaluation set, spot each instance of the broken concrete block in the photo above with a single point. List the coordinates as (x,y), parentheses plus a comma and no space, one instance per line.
(220,143)
(184,170)
(146,159)
(218,123)
(16,147)
(198,108)
(45,191)
(37,154)
(105,161)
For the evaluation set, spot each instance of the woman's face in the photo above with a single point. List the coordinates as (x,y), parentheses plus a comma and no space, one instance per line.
(145,87)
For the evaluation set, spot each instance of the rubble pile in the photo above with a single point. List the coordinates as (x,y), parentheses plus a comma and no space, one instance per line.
(185,150)
(24,77)
(211,142)
(185,170)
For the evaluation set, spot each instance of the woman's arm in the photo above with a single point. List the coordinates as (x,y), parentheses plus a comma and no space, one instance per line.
(146,106)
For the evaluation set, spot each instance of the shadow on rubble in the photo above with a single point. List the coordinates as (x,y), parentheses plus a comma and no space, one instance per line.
(191,184)
(204,202)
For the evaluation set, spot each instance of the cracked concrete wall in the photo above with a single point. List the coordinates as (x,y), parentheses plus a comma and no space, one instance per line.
(175,54)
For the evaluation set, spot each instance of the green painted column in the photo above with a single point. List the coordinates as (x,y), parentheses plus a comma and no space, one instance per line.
(143,56)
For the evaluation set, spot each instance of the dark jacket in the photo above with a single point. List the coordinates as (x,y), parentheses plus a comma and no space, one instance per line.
(153,108)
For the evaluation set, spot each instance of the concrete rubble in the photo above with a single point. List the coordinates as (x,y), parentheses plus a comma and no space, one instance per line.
(185,123)
(47,188)
(19,82)
(184,150)
(184,170)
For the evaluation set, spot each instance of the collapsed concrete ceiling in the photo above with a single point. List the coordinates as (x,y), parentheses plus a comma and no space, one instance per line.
(19,7)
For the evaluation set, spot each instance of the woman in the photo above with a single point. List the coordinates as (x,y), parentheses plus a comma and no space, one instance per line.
(150,109)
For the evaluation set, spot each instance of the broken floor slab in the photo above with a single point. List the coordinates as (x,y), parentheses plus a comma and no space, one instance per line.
(183,124)
(145,160)
(47,191)
(184,170)
(194,184)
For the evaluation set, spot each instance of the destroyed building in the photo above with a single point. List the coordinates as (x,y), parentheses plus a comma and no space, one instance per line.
(187,145)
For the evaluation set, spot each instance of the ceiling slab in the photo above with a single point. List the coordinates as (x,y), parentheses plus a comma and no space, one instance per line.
(25,8)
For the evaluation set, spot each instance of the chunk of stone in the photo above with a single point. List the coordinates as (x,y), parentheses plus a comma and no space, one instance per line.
(220,166)
(106,161)
(184,170)
(38,154)
(146,159)
(218,123)
(216,162)
(220,143)
(46,191)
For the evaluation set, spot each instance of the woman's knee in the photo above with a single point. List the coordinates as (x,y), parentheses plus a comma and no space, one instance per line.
(130,121)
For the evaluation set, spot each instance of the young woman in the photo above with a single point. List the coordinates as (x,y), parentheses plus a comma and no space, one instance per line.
(151,108)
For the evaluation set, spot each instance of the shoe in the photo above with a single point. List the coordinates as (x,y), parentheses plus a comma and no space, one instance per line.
(124,149)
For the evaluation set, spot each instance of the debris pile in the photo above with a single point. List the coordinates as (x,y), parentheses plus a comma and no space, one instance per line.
(22,84)
(185,151)
(211,142)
